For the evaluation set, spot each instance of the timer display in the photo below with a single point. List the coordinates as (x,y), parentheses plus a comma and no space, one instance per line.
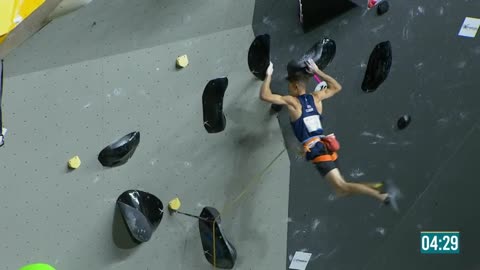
(440,242)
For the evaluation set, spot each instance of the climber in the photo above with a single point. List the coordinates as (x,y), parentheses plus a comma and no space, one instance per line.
(305,112)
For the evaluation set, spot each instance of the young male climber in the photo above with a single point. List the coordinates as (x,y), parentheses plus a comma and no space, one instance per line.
(305,112)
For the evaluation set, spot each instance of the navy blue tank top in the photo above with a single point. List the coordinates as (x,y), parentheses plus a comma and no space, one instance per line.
(310,122)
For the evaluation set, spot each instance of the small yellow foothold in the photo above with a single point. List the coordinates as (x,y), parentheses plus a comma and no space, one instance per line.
(182,61)
(74,162)
(174,204)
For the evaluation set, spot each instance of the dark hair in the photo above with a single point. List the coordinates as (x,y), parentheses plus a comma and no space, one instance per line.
(298,77)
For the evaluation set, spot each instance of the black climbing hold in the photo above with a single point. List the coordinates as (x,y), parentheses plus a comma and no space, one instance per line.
(259,56)
(316,12)
(383,7)
(404,121)
(211,234)
(321,52)
(276,107)
(142,212)
(119,152)
(214,120)
(378,66)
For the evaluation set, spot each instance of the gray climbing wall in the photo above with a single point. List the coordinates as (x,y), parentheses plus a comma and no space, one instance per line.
(72,89)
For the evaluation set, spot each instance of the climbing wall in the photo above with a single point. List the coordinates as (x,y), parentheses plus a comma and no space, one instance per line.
(433,79)
(74,98)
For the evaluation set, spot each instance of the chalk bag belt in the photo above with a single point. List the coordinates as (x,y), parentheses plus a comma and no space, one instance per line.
(322,158)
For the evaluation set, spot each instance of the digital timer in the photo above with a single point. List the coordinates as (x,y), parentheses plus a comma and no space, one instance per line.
(440,242)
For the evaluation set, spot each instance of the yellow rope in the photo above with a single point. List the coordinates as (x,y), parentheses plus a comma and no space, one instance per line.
(255,180)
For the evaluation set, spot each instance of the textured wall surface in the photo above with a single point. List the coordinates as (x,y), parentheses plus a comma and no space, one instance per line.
(54,112)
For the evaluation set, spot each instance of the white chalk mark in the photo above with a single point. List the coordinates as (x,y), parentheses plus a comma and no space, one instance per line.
(378,28)
(187,164)
(363,65)
(288,220)
(421,9)
(157,69)
(331,252)
(153,161)
(380,230)
(96,179)
(331,197)
(441,10)
(369,134)
(419,66)
(443,121)
(315,224)
(118,91)
(356,173)
(405,32)
(87,105)
(317,256)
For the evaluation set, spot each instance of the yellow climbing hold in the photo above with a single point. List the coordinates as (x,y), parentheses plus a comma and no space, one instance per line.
(174,204)
(74,162)
(182,61)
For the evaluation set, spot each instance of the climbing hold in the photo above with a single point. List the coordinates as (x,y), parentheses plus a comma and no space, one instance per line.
(276,107)
(37,266)
(182,61)
(214,120)
(74,162)
(378,66)
(119,152)
(217,249)
(322,54)
(259,56)
(174,204)
(383,7)
(403,121)
(142,212)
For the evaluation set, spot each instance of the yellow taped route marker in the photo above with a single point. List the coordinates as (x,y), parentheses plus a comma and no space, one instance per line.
(182,61)
(74,162)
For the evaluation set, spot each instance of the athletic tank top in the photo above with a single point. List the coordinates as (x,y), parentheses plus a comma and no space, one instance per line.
(310,122)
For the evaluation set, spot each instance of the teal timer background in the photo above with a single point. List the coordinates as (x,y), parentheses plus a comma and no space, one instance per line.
(440,242)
